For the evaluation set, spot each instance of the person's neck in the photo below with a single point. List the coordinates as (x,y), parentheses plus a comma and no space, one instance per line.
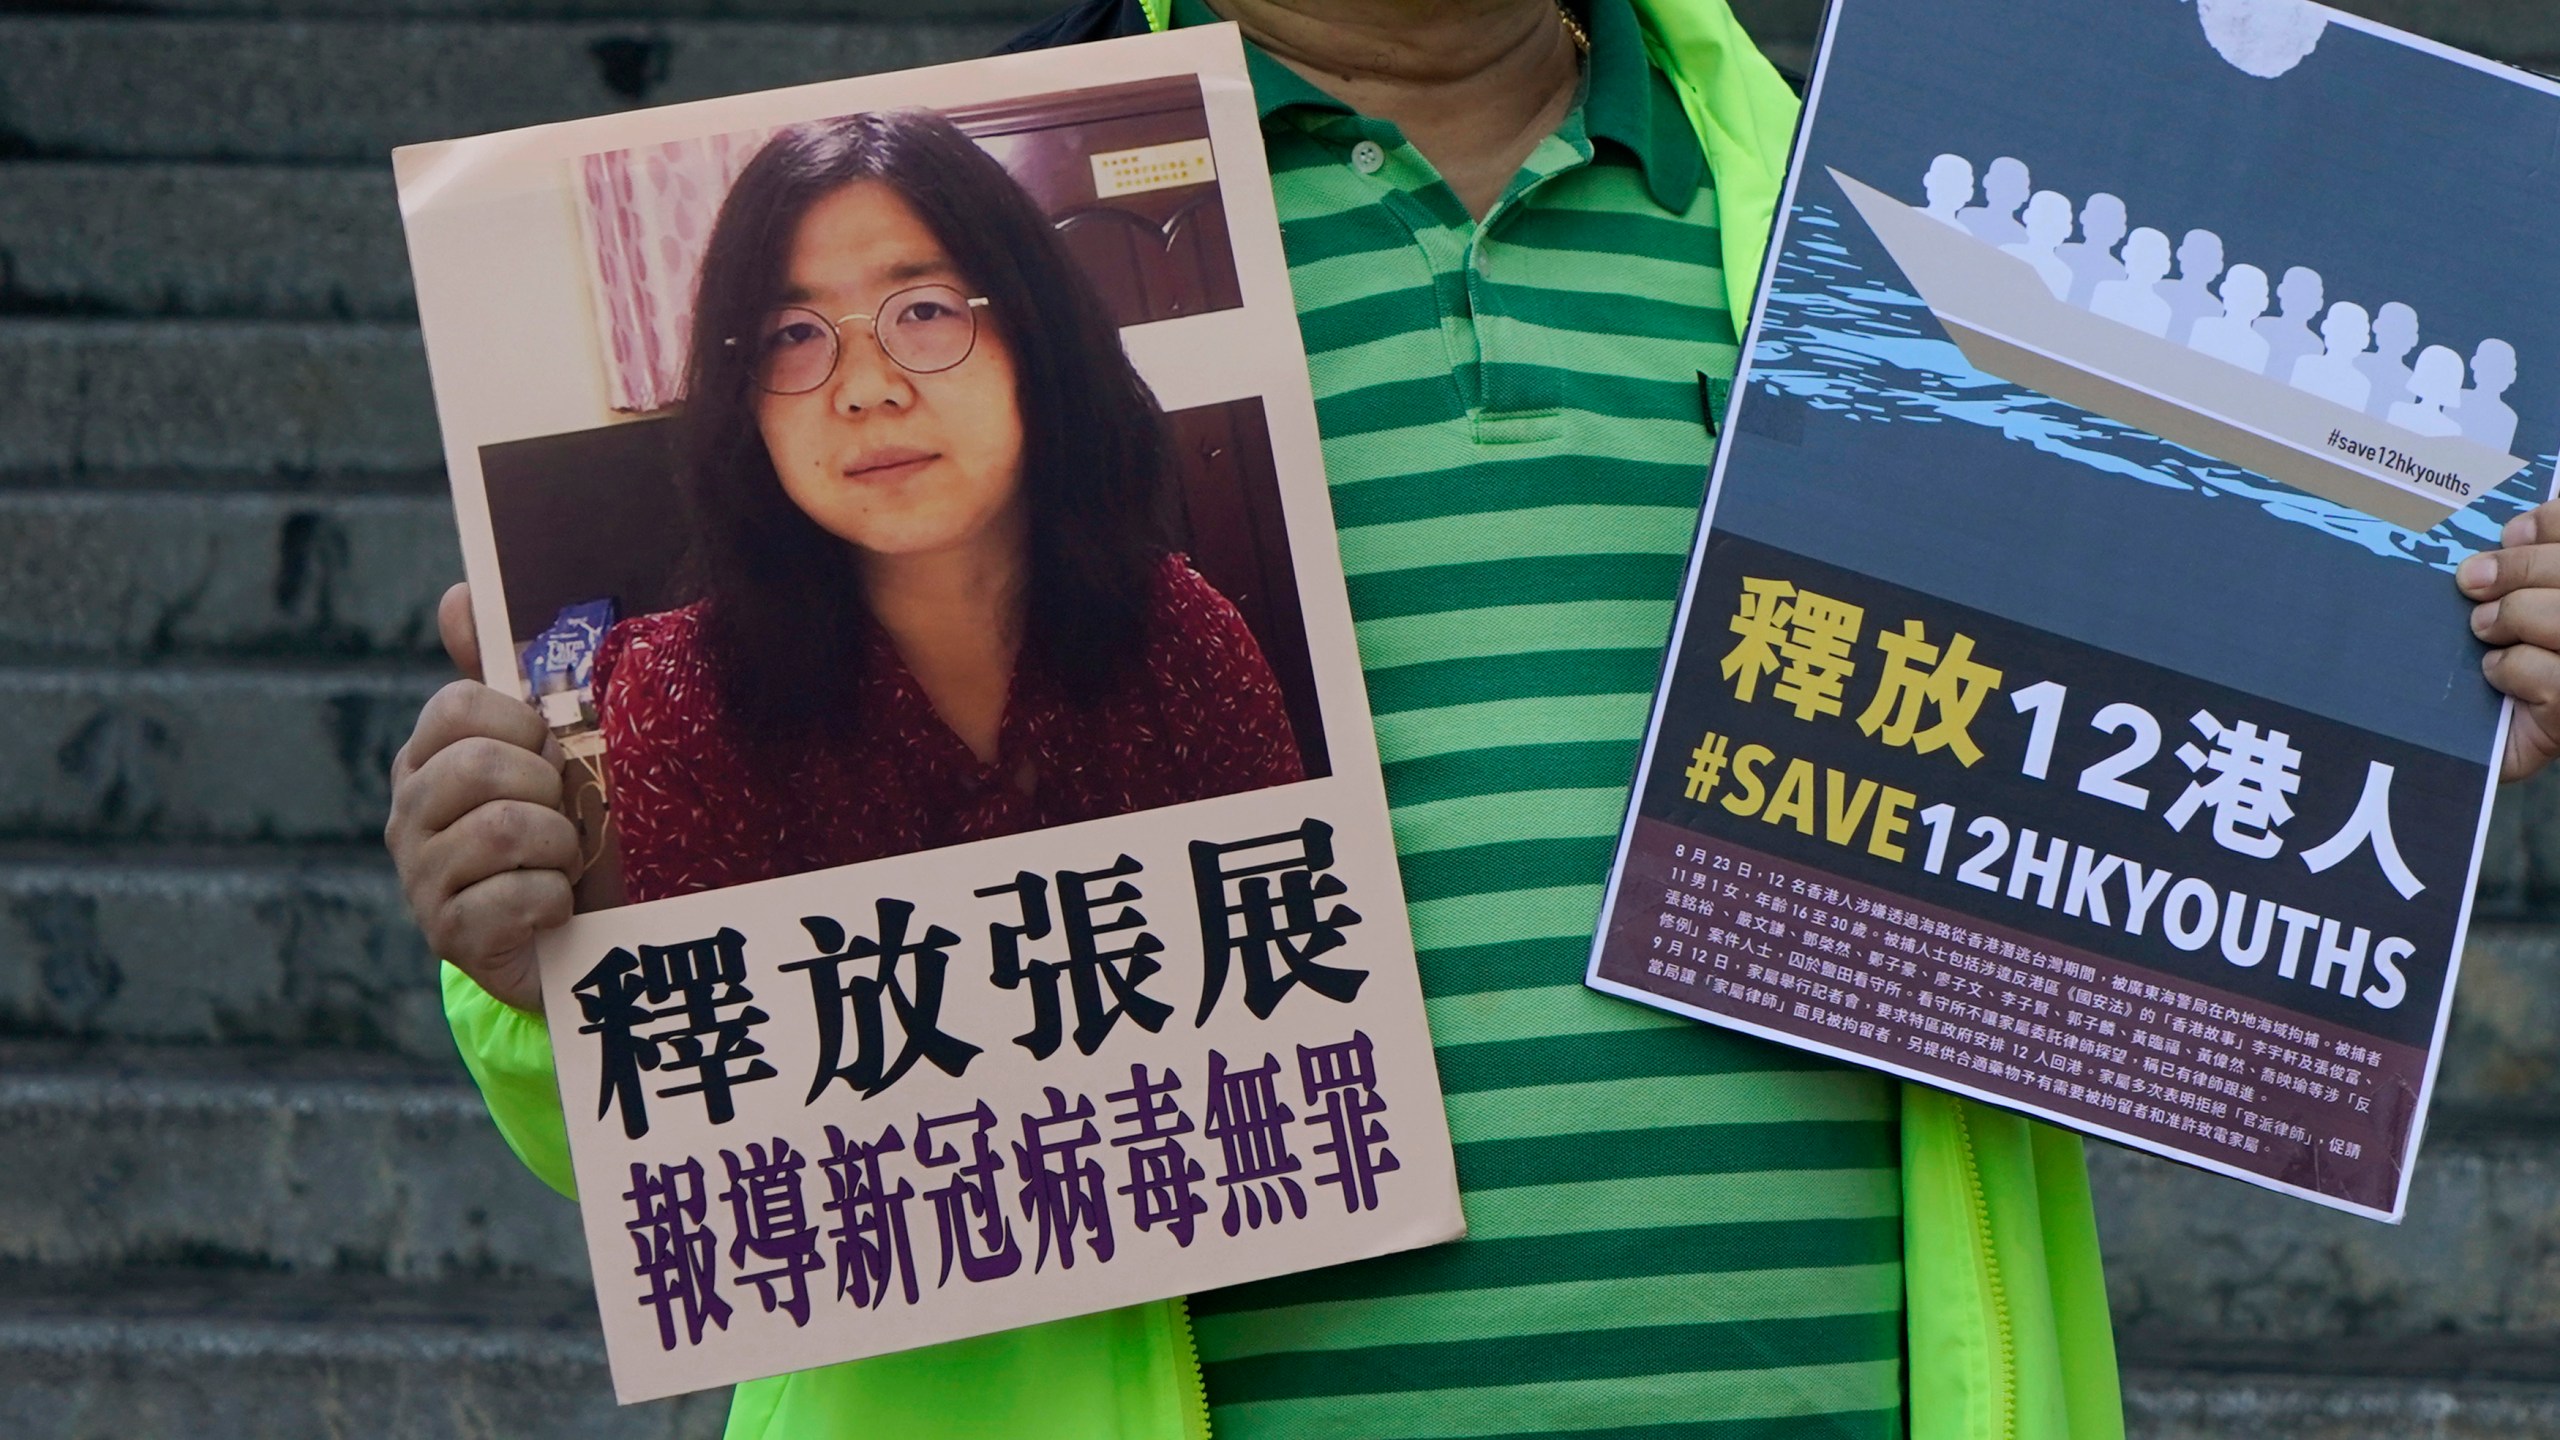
(967,585)
(1473,84)
(955,618)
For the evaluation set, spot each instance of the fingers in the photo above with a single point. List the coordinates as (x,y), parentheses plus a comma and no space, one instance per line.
(485,859)
(2528,672)
(461,638)
(2528,556)
(2518,585)
(464,709)
(2495,573)
(2526,617)
(488,930)
(2531,674)
(484,854)
(469,773)
(494,840)
(2535,526)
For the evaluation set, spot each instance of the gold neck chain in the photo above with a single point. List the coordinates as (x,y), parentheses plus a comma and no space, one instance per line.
(1573,29)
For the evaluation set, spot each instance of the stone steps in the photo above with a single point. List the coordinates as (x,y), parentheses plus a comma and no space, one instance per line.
(2213,1404)
(257,398)
(2475,1256)
(204,753)
(196,1354)
(267,1159)
(151,575)
(217,89)
(2503,1049)
(273,241)
(233,946)
(2520,867)
(2521,32)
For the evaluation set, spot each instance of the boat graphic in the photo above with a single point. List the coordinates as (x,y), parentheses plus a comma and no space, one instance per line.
(2008,322)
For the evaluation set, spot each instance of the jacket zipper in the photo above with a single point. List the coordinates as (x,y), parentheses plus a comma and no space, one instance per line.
(2003,1341)
(1195,1414)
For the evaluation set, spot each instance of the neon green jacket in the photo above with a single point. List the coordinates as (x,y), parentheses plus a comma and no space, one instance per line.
(2006,1301)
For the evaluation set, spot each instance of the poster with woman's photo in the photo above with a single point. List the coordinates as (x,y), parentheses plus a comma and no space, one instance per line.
(2072,704)
(901,498)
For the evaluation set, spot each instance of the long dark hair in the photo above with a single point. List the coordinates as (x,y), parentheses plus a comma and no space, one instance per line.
(785,622)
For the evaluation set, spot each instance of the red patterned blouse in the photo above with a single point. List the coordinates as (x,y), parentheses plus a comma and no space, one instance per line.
(1201,716)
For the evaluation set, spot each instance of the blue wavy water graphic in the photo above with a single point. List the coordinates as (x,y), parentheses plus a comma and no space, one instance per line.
(1843,339)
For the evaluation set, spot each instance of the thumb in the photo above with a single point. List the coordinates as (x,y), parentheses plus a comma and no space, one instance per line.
(461,638)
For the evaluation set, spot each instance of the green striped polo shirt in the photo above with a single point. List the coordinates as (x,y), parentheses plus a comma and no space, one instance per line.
(1674,1231)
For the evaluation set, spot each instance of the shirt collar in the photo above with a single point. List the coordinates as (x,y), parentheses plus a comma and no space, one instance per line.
(1631,103)
(1626,100)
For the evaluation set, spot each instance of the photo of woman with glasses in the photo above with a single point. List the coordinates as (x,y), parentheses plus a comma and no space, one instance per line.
(925,487)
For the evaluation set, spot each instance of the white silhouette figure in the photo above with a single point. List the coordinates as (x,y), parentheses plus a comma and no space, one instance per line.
(1950,187)
(2288,333)
(2395,334)
(2434,384)
(2332,374)
(2048,225)
(2135,299)
(2005,188)
(2190,296)
(2092,257)
(2229,336)
(2483,415)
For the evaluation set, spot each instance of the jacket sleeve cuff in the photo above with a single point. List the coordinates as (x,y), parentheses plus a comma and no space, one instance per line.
(508,1053)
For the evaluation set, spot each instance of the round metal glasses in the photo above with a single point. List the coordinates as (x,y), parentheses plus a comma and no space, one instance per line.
(923,330)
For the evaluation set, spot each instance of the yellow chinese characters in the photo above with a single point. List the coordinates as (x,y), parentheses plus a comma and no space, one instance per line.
(1918,677)
(1802,637)
(1925,700)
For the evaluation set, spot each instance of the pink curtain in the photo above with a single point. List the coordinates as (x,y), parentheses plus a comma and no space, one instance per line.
(648,215)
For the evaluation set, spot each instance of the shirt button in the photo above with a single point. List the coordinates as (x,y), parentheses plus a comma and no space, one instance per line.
(1367,157)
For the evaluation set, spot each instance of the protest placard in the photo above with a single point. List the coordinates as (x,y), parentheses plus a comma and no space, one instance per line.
(904,1005)
(2071,704)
